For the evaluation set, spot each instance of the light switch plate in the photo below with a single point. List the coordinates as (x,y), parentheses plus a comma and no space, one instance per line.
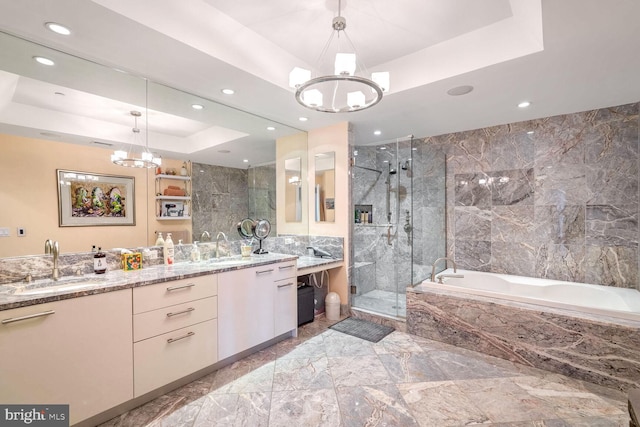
(4,232)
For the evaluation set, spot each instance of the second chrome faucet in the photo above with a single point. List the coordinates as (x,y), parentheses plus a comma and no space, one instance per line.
(53,248)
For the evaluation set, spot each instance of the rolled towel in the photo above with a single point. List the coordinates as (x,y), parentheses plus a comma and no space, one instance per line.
(174,187)
(174,192)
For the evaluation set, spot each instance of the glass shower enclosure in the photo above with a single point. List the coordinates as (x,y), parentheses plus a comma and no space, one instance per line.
(398,225)
(382,226)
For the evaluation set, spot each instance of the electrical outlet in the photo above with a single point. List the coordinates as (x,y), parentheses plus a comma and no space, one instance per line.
(288,240)
(4,232)
(22,231)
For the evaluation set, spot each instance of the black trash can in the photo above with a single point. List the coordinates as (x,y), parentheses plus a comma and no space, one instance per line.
(305,305)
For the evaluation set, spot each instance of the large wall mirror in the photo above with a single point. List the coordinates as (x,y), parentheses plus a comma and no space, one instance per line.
(325,187)
(73,114)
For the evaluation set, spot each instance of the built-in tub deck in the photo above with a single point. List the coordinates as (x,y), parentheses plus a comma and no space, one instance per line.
(595,344)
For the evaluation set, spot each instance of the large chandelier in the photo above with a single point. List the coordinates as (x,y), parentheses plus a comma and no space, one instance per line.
(343,91)
(128,156)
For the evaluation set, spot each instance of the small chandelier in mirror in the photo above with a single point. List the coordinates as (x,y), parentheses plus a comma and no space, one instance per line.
(344,91)
(128,156)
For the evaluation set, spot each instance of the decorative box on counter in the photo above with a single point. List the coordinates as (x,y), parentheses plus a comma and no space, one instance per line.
(132,261)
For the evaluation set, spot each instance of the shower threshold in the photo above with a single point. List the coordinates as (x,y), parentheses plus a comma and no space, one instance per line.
(384,303)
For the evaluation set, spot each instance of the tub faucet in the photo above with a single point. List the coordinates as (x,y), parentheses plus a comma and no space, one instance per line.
(433,267)
(53,248)
(218,240)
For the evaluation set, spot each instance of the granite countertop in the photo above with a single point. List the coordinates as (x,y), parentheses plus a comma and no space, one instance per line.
(41,291)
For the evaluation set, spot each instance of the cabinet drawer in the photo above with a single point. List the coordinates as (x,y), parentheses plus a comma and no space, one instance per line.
(286,270)
(147,298)
(160,360)
(278,271)
(166,319)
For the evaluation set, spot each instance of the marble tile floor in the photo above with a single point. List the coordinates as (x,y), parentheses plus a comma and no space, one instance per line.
(326,378)
(384,302)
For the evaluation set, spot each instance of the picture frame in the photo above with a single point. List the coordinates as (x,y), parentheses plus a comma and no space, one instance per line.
(87,199)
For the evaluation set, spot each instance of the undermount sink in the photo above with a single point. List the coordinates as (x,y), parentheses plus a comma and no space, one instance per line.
(227,262)
(59,286)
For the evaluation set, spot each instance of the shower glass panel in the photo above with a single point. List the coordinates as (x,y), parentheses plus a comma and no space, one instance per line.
(382,180)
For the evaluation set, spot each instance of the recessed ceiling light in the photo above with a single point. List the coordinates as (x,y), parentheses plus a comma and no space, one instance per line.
(270,128)
(383,148)
(57,28)
(414,149)
(245,160)
(530,132)
(524,104)
(303,119)
(460,90)
(197,106)
(377,132)
(228,91)
(44,61)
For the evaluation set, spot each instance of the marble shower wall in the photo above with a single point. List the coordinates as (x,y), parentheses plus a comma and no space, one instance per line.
(552,198)
(262,194)
(220,200)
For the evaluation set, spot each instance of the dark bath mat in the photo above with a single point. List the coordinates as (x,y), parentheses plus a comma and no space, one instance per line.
(362,329)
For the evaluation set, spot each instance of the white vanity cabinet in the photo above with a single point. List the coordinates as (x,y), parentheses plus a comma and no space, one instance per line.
(75,351)
(255,305)
(175,330)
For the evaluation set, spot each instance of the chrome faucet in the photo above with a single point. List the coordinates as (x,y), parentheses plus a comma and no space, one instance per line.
(205,235)
(218,240)
(433,267)
(53,248)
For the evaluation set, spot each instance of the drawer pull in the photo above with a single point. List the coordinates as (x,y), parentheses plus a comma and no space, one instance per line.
(177,288)
(189,334)
(264,271)
(286,267)
(285,285)
(188,310)
(28,316)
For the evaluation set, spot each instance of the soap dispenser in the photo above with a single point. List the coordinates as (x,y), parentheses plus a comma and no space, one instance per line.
(168,250)
(159,240)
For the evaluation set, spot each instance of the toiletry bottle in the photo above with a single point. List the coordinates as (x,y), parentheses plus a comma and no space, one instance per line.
(100,262)
(195,253)
(183,169)
(168,250)
(159,240)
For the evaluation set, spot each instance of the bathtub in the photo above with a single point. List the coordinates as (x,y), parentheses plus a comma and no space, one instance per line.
(584,331)
(618,303)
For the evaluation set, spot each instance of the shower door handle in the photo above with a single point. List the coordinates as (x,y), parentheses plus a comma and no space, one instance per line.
(389,235)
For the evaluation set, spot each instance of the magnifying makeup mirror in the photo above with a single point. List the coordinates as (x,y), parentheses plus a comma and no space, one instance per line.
(261,230)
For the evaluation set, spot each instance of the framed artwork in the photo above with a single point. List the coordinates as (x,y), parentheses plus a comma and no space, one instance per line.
(88,199)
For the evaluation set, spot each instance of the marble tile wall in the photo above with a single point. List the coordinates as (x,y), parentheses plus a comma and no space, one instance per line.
(553,198)
(220,199)
(262,194)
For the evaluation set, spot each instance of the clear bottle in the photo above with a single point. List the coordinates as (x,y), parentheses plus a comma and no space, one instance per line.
(159,240)
(183,169)
(168,250)
(99,262)
(195,253)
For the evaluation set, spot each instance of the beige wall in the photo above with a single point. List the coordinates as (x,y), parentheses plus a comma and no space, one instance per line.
(333,138)
(29,198)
